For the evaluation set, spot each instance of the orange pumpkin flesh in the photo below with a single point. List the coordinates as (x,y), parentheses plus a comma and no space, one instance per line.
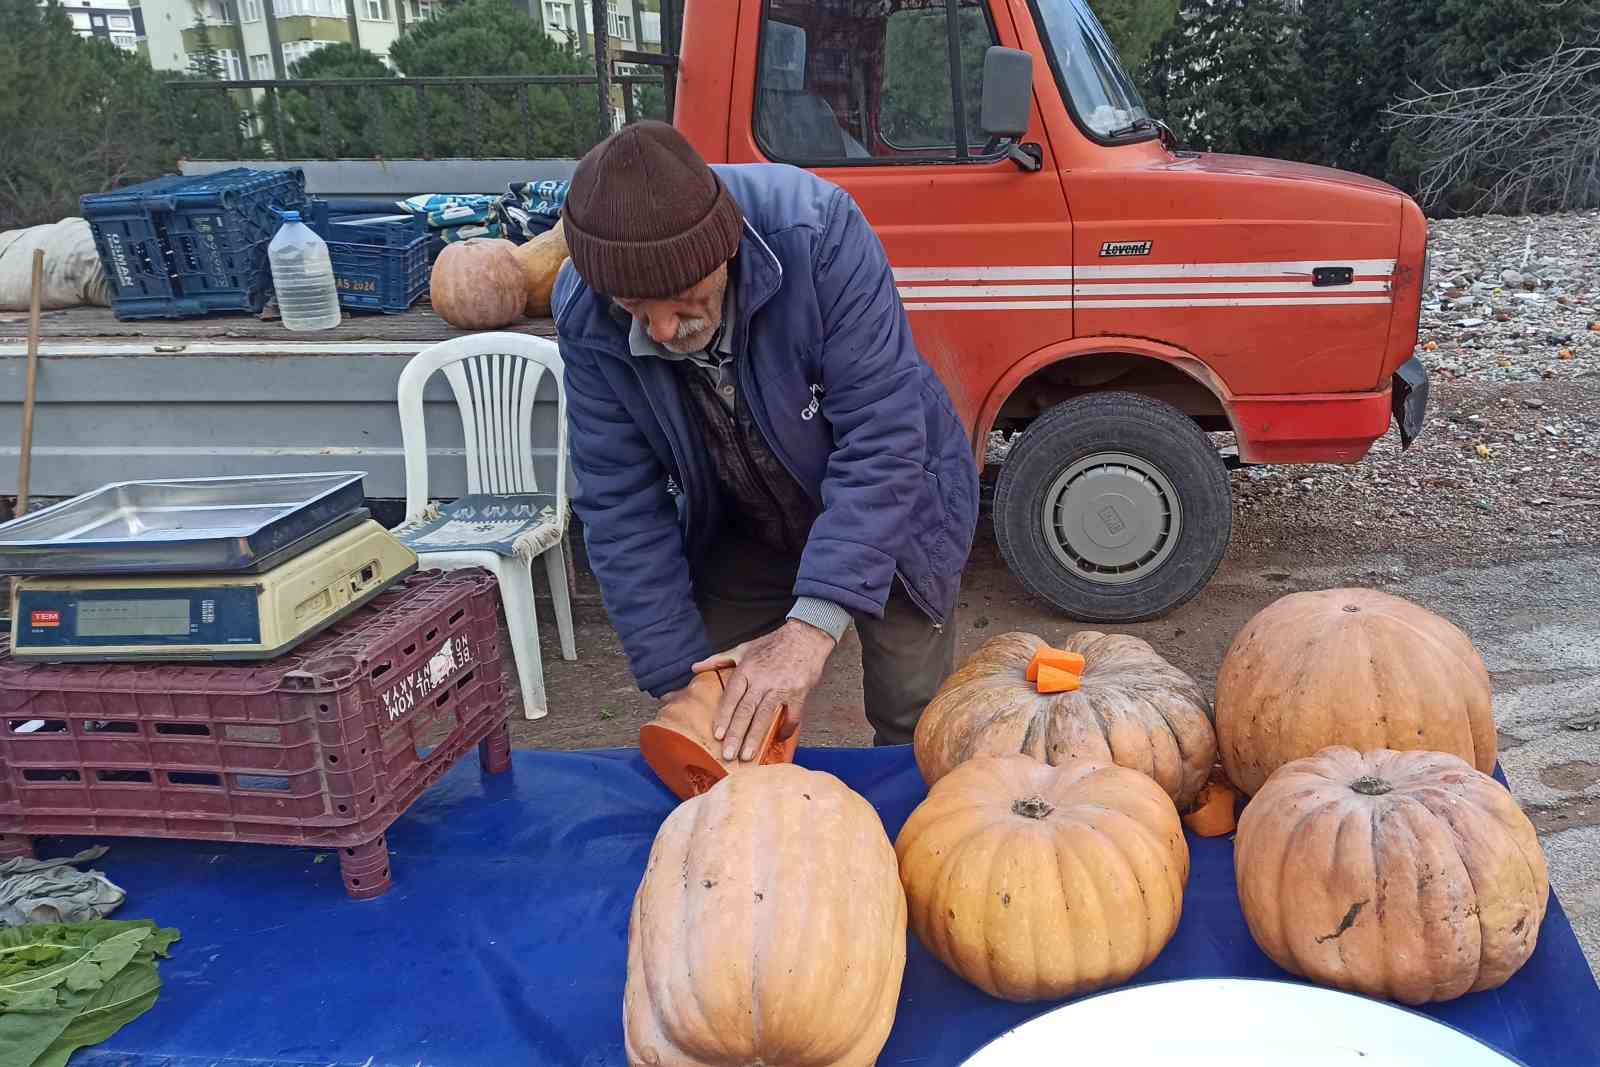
(1406,875)
(1071,662)
(1349,667)
(1213,812)
(1055,680)
(681,749)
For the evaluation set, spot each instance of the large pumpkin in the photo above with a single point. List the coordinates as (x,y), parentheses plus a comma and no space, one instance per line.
(1408,875)
(680,746)
(770,928)
(478,284)
(540,259)
(1132,708)
(1035,882)
(1349,667)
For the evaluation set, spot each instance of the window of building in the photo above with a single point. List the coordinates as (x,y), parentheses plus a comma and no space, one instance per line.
(80,20)
(261,66)
(98,20)
(375,10)
(558,16)
(294,51)
(844,82)
(619,25)
(421,9)
(250,10)
(125,41)
(120,22)
(232,69)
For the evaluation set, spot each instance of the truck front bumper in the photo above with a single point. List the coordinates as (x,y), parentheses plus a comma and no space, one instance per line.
(1409,398)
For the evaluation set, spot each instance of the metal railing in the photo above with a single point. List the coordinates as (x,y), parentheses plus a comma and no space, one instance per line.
(494,116)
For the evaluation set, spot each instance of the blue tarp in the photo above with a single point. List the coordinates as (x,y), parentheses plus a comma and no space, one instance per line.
(504,939)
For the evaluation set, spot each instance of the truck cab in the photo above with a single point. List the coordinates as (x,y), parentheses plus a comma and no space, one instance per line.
(1106,299)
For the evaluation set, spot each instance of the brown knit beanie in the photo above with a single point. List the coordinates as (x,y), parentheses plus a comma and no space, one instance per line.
(645,217)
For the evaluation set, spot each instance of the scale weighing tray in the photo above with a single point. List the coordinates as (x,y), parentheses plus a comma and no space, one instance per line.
(181,526)
(176,617)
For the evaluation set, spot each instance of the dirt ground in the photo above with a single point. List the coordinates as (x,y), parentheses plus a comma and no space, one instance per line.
(1426,524)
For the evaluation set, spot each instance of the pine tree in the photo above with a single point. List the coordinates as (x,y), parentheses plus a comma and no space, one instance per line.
(1227,77)
(204,60)
(1135,26)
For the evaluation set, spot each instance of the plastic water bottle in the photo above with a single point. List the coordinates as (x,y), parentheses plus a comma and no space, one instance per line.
(302,276)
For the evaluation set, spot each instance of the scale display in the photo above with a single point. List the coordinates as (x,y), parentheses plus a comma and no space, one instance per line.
(212,616)
(134,618)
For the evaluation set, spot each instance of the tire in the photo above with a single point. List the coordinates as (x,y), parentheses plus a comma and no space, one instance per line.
(1113,508)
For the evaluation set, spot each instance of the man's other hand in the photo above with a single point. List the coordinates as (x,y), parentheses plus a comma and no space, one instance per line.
(773,675)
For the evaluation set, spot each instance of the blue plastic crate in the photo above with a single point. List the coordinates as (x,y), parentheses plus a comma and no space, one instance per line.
(188,245)
(380,262)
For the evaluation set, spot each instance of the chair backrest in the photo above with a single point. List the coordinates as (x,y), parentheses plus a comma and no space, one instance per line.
(496,379)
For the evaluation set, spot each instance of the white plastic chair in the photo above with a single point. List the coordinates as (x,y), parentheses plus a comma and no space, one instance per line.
(505,520)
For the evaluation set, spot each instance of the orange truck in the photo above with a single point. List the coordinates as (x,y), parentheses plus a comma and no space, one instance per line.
(1079,281)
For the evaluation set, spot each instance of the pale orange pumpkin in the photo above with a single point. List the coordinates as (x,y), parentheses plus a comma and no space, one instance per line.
(1131,708)
(478,284)
(540,259)
(770,928)
(680,746)
(1035,882)
(1406,875)
(1349,667)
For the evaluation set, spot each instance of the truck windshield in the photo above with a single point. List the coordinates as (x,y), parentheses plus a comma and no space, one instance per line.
(1089,72)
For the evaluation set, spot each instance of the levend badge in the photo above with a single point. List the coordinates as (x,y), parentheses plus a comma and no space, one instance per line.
(1119,249)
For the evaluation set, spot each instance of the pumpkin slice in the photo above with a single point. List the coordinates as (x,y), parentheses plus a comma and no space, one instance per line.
(681,749)
(1056,680)
(1213,812)
(1071,662)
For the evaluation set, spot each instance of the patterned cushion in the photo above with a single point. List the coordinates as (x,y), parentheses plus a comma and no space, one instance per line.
(524,525)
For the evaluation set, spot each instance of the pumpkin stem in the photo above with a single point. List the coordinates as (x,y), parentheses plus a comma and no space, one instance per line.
(1034,807)
(1368,786)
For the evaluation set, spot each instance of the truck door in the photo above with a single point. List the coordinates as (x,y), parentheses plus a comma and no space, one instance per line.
(862,92)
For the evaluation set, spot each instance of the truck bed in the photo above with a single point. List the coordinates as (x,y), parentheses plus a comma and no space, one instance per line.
(228,395)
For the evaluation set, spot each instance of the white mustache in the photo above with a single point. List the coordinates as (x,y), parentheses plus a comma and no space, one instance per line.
(690,328)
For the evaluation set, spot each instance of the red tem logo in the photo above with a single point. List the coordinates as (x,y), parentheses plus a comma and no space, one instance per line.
(45,620)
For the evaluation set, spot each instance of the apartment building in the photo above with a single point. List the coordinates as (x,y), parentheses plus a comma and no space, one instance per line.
(261,39)
(115,21)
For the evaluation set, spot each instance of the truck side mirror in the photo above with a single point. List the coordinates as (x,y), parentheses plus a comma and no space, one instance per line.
(1007,92)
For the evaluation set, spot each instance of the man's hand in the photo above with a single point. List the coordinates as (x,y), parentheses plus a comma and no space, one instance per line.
(773,675)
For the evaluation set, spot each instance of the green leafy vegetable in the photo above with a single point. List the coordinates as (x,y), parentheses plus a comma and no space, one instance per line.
(66,985)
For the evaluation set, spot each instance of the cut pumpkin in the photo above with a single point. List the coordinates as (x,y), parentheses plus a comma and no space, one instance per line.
(1071,662)
(1056,680)
(1213,813)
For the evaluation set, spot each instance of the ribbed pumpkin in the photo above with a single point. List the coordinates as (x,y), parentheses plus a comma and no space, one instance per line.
(478,284)
(1349,667)
(540,259)
(1131,708)
(681,748)
(1035,882)
(1407,875)
(770,928)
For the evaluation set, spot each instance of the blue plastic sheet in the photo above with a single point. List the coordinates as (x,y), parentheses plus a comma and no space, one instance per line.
(504,939)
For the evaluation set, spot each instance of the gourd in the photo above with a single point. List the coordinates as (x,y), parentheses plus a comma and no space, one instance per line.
(1035,882)
(540,259)
(1406,875)
(681,749)
(478,284)
(1349,667)
(1131,707)
(769,928)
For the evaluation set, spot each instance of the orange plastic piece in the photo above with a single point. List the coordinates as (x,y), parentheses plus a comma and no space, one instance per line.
(681,749)
(1071,662)
(1056,680)
(1213,813)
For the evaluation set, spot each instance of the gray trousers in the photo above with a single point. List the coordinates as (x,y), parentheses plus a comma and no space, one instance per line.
(745,590)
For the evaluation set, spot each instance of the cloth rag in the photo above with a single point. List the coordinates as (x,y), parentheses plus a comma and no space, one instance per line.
(55,891)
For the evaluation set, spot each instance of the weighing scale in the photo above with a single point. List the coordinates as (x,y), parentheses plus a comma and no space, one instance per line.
(195,569)
(205,616)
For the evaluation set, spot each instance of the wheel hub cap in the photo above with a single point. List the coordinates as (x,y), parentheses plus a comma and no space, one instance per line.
(1111,517)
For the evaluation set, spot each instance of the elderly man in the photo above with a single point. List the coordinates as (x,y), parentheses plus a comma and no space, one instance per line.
(761,454)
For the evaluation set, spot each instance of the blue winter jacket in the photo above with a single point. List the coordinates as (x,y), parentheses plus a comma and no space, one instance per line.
(827,363)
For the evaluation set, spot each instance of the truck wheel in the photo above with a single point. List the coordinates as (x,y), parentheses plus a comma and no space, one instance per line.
(1113,508)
